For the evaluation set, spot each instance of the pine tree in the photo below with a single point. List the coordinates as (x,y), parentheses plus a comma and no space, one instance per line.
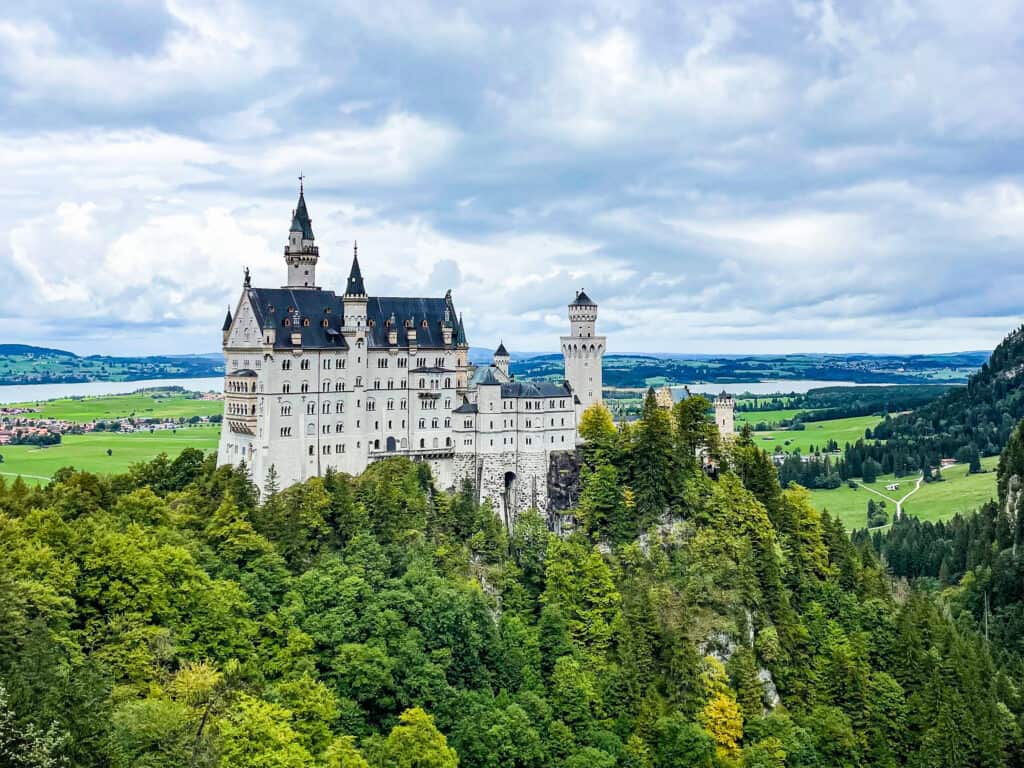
(652,470)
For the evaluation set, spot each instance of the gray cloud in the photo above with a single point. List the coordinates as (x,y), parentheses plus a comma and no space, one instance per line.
(821,175)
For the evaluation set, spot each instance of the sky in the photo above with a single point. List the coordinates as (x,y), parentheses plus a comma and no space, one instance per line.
(721,177)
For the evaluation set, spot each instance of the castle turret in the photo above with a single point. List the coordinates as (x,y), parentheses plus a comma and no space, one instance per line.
(725,415)
(355,294)
(583,351)
(501,358)
(301,253)
(226,328)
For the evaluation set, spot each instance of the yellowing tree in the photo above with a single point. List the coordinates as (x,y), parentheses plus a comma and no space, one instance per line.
(720,716)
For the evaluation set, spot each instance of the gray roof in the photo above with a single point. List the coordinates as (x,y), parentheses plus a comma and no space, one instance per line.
(466,407)
(582,300)
(528,389)
(271,307)
(300,219)
(227,321)
(355,286)
(501,351)
(487,374)
(247,372)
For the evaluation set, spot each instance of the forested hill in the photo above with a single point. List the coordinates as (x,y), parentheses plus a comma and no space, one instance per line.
(24,364)
(169,618)
(966,420)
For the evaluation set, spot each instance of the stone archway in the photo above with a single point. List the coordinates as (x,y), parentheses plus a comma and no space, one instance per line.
(508,499)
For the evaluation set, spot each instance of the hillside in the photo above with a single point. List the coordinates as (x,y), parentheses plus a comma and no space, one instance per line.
(965,421)
(24,364)
(168,617)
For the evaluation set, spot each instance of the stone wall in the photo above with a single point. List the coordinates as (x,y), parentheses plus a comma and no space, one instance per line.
(563,480)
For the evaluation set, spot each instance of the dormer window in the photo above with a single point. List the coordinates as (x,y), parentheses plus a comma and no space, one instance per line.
(387,323)
(370,323)
(305,322)
(287,322)
(323,322)
(423,324)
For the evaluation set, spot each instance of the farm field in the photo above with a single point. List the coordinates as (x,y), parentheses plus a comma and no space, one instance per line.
(817,433)
(142,405)
(958,492)
(89,452)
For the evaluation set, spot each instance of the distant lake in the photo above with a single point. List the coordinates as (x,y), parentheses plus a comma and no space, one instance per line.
(29,393)
(785,386)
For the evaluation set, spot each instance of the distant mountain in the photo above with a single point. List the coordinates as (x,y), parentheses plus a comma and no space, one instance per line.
(25,364)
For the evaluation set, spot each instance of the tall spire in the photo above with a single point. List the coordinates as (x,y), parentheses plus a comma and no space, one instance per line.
(355,285)
(300,216)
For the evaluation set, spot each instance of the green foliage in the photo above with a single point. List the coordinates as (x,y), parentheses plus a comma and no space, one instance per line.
(168,618)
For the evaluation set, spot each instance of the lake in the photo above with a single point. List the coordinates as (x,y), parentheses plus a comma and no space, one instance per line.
(800,386)
(29,393)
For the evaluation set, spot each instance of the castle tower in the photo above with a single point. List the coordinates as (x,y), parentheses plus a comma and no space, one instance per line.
(355,294)
(301,253)
(501,358)
(725,415)
(583,352)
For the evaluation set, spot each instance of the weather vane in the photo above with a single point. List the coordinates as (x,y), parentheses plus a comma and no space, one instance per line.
(301,178)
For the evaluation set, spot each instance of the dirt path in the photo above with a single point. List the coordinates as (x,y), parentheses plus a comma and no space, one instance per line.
(897,502)
(22,474)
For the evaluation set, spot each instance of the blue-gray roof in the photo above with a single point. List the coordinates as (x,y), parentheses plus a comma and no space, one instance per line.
(355,286)
(300,219)
(582,300)
(528,389)
(227,321)
(501,351)
(466,407)
(271,306)
(487,374)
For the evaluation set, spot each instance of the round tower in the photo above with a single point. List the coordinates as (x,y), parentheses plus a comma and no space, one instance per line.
(725,415)
(583,351)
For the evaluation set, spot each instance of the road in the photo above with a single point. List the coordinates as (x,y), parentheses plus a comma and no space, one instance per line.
(898,503)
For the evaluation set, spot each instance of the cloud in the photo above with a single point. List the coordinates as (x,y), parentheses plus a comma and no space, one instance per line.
(721,177)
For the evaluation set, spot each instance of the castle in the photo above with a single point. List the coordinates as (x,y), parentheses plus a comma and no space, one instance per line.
(315,381)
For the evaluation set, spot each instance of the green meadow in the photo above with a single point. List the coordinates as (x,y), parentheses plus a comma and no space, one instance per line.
(148,405)
(958,492)
(89,452)
(817,433)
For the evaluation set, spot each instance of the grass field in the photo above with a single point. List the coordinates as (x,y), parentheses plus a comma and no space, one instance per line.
(959,492)
(817,433)
(89,452)
(141,405)
(767,416)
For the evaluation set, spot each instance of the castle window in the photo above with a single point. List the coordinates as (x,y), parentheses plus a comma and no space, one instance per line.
(304,365)
(467,424)
(339,427)
(423,443)
(423,424)
(339,407)
(339,363)
(286,365)
(327,386)
(391,383)
(325,429)
(311,408)
(433,423)
(286,431)
(305,322)
(359,381)
(402,404)
(287,322)
(323,322)
(447,403)
(391,405)
(423,323)
(382,362)
(447,423)
(305,386)
(326,449)
(339,386)
(311,450)
(286,409)
(403,362)
(339,448)
(371,405)
(371,322)
(326,408)
(448,382)
(286,387)
(376,383)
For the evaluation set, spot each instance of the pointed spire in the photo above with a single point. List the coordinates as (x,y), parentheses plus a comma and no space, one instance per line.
(300,216)
(460,333)
(355,285)
(227,321)
(501,351)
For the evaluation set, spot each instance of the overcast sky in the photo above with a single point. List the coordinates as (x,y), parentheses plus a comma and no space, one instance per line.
(721,177)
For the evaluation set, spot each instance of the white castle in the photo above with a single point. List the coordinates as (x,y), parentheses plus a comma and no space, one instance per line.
(317,381)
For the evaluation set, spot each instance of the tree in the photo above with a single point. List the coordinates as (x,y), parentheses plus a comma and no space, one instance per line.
(26,746)
(342,753)
(653,478)
(416,743)
(258,733)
